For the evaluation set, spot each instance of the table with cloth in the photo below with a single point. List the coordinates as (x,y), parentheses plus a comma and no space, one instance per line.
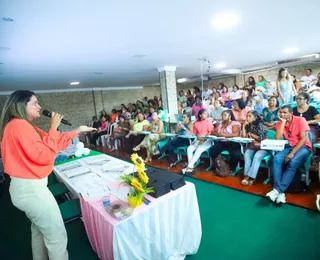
(167,228)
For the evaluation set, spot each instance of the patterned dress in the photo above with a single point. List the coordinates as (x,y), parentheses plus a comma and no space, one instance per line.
(151,140)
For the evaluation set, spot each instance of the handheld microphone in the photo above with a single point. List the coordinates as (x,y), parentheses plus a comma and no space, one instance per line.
(48,114)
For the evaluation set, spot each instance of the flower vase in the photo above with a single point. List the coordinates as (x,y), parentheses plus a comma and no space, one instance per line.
(135,201)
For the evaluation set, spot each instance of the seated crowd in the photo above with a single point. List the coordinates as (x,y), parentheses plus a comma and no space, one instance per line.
(242,112)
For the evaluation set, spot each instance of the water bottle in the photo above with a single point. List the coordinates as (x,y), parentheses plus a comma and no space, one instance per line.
(106,202)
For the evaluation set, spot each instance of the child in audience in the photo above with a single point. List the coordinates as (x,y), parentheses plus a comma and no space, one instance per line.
(202,127)
(114,116)
(253,128)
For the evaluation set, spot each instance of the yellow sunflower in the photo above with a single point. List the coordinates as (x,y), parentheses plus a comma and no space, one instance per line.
(143,176)
(137,186)
(137,160)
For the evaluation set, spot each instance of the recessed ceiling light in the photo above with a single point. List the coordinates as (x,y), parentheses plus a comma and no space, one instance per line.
(290,50)
(225,21)
(182,80)
(7,19)
(232,71)
(139,56)
(220,65)
(75,83)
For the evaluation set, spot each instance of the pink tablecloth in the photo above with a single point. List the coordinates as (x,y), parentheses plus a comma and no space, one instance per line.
(168,228)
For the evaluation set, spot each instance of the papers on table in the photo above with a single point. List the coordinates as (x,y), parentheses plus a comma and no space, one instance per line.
(91,176)
(69,151)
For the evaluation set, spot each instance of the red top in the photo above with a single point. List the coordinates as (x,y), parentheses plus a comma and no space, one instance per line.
(203,127)
(292,131)
(26,155)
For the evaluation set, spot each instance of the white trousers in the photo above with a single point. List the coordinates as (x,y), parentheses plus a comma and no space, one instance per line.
(48,233)
(194,151)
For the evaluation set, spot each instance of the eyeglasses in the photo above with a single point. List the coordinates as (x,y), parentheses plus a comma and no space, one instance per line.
(298,99)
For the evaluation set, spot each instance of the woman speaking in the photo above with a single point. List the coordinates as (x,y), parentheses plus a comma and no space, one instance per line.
(28,155)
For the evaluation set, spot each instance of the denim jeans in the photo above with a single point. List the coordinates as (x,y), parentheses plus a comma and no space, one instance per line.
(282,180)
(172,145)
(252,161)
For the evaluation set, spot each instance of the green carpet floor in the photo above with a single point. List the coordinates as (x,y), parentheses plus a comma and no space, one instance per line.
(235,225)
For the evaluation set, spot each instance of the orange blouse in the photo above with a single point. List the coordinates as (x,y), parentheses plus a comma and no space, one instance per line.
(26,155)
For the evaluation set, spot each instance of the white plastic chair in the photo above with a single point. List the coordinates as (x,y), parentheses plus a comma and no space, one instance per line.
(110,131)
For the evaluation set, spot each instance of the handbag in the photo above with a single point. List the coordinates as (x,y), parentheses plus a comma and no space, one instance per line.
(254,145)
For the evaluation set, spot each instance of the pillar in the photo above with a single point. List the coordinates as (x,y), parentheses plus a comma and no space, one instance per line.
(167,75)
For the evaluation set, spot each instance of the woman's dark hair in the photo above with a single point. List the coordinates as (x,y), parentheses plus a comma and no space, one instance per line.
(277,101)
(262,77)
(230,113)
(114,111)
(288,77)
(103,113)
(153,103)
(220,101)
(240,103)
(257,117)
(15,107)
(188,115)
(196,90)
(236,86)
(200,113)
(224,87)
(138,113)
(253,82)
(189,92)
(305,96)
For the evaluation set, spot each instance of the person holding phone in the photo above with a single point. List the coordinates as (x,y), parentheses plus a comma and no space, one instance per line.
(28,155)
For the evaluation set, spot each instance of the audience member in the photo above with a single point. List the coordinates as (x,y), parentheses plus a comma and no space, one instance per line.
(118,133)
(251,84)
(270,113)
(310,113)
(294,129)
(259,102)
(308,79)
(196,92)
(197,106)
(296,83)
(261,82)
(183,128)
(236,93)
(229,127)
(182,100)
(206,92)
(240,110)
(101,130)
(216,113)
(150,141)
(133,139)
(253,128)
(285,87)
(114,116)
(225,95)
(202,127)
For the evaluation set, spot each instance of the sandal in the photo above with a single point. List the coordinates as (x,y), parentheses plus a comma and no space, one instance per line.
(147,160)
(245,182)
(171,165)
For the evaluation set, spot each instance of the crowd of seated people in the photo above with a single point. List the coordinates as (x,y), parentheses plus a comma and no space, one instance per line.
(239,112)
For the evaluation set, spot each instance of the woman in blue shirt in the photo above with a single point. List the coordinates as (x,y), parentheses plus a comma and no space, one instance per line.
(183,128)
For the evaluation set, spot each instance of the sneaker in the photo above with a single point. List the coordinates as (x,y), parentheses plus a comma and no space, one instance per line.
(272,195)
(281,199)
(187,170)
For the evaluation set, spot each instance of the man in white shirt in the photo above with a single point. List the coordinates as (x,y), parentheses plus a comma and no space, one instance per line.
(308,80)
(206,92)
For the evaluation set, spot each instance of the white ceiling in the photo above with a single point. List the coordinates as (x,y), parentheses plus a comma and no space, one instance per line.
(54,42)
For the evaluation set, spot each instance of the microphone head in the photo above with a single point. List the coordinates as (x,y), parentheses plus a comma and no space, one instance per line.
(46,113)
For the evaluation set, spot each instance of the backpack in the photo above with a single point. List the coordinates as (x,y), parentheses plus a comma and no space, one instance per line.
(221,167)
(297,184)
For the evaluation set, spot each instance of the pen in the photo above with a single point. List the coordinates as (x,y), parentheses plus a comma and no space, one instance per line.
(82,197)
